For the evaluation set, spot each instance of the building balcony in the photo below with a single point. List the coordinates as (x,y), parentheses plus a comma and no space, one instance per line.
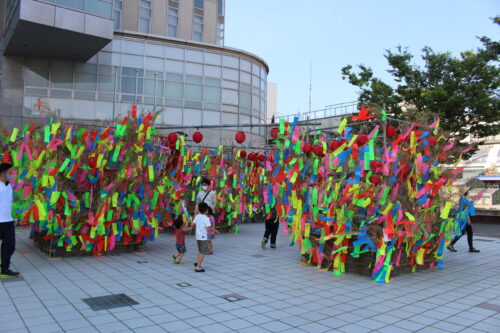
(52,29)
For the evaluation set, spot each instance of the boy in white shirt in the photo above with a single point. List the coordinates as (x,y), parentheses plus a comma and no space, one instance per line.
(202,224)
(7,226)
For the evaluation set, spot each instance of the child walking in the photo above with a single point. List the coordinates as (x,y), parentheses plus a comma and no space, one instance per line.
(180,239)
(202,224)
(211,234)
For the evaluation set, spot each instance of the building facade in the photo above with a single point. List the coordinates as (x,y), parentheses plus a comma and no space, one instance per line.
(91,60)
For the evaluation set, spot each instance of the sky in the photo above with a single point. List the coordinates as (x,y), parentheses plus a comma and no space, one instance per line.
(290,35)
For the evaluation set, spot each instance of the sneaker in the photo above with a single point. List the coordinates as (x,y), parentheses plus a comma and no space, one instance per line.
(179,262)
(174,258)
(9,273)
(263,243)
(474,250)
(451,248)
(273,246)
(201,270)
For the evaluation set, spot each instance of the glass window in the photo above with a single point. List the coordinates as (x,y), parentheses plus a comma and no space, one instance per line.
(172,21)
(192,104)
(62,80)
(229,118)
(104,110)
(106,83)
(255,81)
(245,77)
(86,68)
(128,84)
(106,97)
(212,106)
(245,65)
(117,13)
(60,93)
(36,92)
(194,69)
(245,100)
(174,66)
(175,53)
(173,90)
(229,61)
(84,95)
(230,85)
(192,117)
(255,69)
(193,92)
(213,58)
(255,102)
(99,7)
(211,94)
(220,7)
(172,102)
(132,61)
(211,118)
(172,116)
(229,97)
(193,79)
(149,87)
(212,71)
(151,74)
(155,50)
(154,64)
(212,82)
(133,47)
(194,56)
(197,27)
(174,77)
(85,81)
(245,87)
(230,74)
(198,4)
(144,16)
(105,58)
(75,4)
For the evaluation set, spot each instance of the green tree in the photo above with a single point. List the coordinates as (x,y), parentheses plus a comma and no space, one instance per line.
(463,91)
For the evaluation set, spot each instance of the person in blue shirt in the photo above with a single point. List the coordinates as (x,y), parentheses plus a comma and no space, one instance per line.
(465,211)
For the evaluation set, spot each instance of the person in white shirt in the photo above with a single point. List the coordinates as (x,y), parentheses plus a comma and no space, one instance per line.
(206,195)
(7,226)
(202,224)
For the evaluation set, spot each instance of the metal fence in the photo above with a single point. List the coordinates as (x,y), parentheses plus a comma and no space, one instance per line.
(333,110)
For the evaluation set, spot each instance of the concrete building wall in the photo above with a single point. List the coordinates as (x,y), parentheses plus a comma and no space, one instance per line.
(130,15)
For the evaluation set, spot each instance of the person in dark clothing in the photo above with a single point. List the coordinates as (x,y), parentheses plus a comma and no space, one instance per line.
(466,209)
(272,226)
(7,226)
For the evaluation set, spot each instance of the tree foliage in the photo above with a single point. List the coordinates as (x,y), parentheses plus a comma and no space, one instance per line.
(463,91)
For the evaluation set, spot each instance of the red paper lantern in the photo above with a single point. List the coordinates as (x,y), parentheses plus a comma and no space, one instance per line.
(197,137)
(390,131)
(172,138)
(92,162)
(335,144)
(262,158)
(432,141)
(307,148)
(240,137)
(362,139)
(243,154)
(376,165)
(318,149)
(274,132)
(251,156)
(374,179)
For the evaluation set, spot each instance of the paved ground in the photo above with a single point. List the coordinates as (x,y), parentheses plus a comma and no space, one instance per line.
(486,229)
(281,295)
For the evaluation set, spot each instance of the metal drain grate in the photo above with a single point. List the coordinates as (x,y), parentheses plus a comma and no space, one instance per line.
(257,255)
(109,302)
(184,284)
(12,279)
(233,297)
(483,240)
